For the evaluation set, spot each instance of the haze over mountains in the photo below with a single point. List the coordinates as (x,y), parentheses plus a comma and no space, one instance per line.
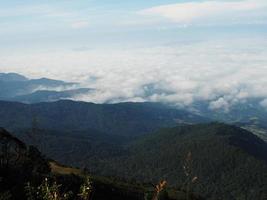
(133,100)
(15,87)
(141,141)
(230,163)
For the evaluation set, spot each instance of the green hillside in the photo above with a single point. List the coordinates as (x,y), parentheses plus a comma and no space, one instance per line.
(25,174)
(115,119)
(230,162)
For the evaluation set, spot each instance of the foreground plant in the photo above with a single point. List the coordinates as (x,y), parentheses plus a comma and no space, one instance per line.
(188,171)
(158,189)
(51,191)
(86,190)
(45,191)
(5,195)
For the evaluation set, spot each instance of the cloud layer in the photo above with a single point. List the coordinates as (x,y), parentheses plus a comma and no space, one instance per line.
(246,11)
(221,72)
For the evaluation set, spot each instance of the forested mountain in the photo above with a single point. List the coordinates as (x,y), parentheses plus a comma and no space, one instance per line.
(18,164)
(116,119)
(26,174)
(18,88)
(137,142)
(9,77)
(229,162)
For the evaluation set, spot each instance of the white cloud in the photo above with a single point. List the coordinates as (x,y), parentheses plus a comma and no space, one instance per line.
(211,11)
(221,103)
(223,72)
(41,17)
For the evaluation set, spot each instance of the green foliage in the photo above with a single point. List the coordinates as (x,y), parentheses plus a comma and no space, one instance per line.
(229,163)
(30,191)
(226,160)
(86,189)
(5,195)
(32,168)
(21,164)
(190,179)
(116,119)
(51,190)
(46,191)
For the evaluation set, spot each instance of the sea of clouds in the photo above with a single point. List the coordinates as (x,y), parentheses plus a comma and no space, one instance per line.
(223,73)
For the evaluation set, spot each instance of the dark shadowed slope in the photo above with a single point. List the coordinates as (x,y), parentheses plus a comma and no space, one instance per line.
(118,119)
(230,163)
(23,168)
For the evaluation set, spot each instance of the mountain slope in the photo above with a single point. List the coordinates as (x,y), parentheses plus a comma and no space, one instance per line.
(18,164)
(23,165)
(12,77)
(12,85)
(230,163)
(49,95)
(117,119)
(18,88)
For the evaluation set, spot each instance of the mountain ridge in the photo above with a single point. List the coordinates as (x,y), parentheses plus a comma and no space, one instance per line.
(121,118)
(224,158)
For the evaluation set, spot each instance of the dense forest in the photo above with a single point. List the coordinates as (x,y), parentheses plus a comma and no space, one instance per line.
(27,174)
(229,162)
(116,119)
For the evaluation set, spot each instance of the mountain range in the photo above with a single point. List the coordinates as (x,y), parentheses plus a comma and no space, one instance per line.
(26,174)
(18,88)
(141,143)
(226,161)
(116,119)
(15,87)
(229,162)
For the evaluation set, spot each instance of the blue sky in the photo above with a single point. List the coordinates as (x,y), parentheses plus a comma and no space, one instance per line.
(50,24)
(209,47)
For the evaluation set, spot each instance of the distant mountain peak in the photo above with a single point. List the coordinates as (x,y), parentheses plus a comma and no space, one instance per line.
(16,87)
(12,77)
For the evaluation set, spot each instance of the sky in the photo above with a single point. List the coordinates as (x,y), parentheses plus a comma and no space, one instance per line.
(158,50)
